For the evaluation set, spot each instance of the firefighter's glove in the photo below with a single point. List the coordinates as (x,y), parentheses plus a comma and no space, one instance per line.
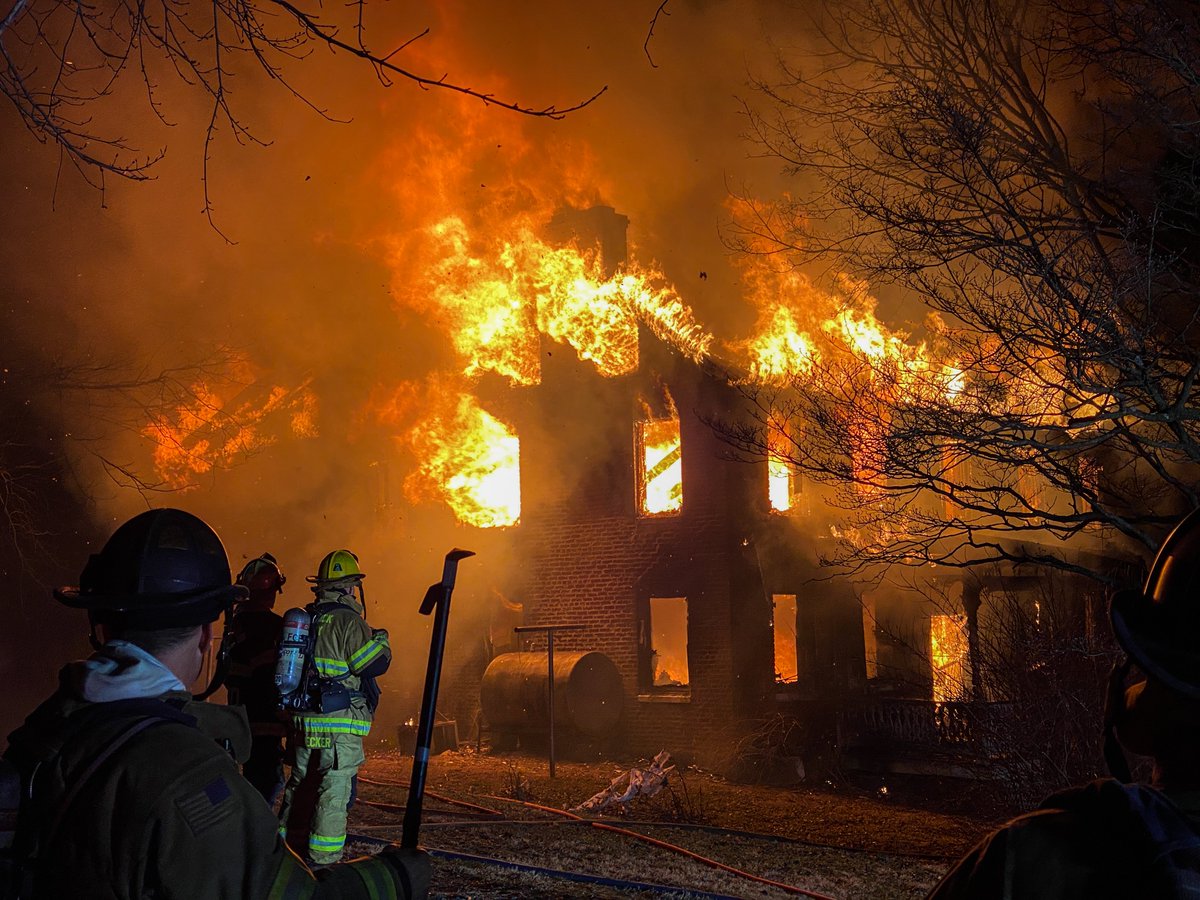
(379,633)
(413,869)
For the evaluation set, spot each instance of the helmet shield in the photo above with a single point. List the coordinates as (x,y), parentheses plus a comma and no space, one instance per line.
(162,569)
(1158,625)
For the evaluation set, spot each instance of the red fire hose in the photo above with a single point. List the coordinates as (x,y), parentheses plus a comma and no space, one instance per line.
(604,826)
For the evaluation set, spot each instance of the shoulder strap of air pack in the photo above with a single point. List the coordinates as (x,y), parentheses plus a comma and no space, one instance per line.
(27,819)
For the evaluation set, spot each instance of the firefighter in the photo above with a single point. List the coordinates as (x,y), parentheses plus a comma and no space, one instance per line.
(1112,838)
(251,679)
(327,739)
(129,786)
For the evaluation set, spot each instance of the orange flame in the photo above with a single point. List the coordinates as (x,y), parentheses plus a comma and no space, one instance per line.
(209,431)
(781,350)
(496,299)
(662,466)
(780,473)
(470,460)
(948,658)
(793,310)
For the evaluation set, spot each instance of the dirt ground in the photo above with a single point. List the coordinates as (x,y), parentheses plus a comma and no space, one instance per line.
(846,842)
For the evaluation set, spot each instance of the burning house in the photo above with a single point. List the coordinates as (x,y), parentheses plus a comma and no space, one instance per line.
(638,526)
(689,576)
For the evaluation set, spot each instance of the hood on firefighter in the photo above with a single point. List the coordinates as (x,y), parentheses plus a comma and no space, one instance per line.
(120,671)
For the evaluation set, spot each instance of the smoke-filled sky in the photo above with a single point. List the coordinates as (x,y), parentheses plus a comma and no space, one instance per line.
(323,292)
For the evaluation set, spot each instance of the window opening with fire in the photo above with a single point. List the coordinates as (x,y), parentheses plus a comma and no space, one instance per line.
(660,476)
(948,658)
(785,485)
(784,625)
(665,644)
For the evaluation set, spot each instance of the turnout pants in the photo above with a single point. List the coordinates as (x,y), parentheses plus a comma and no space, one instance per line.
(324,775)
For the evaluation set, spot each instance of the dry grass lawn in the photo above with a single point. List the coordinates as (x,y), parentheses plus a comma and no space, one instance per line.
(844,843)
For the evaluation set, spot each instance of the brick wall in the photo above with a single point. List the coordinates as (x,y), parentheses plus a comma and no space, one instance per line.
(587,557)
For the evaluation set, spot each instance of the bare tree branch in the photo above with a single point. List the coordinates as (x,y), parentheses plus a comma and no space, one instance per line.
(1029,172)
(661,11)
(59,58)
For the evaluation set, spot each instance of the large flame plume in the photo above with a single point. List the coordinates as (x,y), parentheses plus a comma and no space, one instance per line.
(464,456)
(483,274)
(497,297)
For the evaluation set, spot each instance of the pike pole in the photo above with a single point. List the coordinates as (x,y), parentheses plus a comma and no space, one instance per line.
(437,600)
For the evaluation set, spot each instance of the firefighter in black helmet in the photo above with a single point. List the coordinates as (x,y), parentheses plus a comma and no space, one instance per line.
(136,791)
(253,651)
(1111,838)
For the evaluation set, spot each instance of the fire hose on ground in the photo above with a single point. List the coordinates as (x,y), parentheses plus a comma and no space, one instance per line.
(431,795)
(561,874)
(604,826)
(664,845)
(491,821)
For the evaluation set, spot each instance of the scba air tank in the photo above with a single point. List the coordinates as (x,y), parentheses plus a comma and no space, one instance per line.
(293,646)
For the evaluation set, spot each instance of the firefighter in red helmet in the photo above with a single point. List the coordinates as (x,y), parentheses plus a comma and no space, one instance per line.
(1112,838)
(129,786)
(251,678)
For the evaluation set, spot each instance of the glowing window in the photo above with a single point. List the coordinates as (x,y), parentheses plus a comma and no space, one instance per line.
(783,481)
(784,624)
(660,454)
(948,658)
(668,643)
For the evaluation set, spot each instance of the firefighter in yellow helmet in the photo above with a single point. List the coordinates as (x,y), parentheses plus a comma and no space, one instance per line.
(129,786)
(327,736)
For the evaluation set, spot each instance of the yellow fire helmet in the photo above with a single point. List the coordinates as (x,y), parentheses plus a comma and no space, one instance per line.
(335,566)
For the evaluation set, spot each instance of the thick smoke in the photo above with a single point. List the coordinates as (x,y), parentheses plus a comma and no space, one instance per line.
(314,279)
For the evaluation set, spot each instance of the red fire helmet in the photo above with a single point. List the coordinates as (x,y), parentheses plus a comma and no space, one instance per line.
(262,575)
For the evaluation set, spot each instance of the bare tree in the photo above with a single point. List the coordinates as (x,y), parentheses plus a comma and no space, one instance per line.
(59,60)
(1029,171)
(195,418)
(181,414)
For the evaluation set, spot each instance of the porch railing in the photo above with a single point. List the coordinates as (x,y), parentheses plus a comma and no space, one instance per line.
(949,725)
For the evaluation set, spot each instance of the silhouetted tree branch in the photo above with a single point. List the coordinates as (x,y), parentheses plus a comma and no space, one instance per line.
(1030,173)
(60,60)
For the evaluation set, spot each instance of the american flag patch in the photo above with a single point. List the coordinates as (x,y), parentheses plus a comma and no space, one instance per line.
(211,804)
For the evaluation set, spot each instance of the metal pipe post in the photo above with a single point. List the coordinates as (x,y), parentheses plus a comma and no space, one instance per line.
(550,664)
(550,630)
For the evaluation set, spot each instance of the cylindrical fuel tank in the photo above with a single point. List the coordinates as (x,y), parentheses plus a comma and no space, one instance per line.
(587,692)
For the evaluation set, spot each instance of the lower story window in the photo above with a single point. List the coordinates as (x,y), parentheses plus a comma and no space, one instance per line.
(784,625)
(948,658)
(664,644)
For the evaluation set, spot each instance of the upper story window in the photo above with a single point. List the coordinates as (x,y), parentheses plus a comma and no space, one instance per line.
(660,467)
(785,485)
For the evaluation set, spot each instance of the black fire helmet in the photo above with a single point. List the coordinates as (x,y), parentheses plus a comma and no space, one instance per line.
(1159,626)
(164,568)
